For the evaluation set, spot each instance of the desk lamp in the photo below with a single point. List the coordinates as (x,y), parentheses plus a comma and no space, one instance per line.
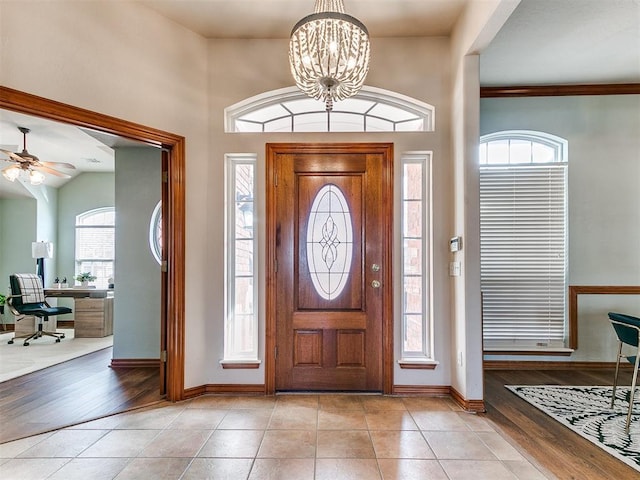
(40,251)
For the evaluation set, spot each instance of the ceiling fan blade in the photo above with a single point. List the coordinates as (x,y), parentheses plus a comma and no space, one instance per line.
(7,168)
(58,164)
(51,171)
(14,156)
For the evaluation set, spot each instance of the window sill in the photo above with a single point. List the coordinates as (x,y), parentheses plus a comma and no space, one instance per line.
(557,351)
(240,364)
(418,364)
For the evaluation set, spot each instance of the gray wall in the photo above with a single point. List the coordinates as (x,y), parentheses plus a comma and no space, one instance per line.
(138,188)
(17,231)
(604,205)
(84,192)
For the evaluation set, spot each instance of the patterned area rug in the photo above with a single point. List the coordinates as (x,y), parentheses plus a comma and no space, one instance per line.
(586,411)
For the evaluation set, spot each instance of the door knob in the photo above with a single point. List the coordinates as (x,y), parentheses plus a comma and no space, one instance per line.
(375,284)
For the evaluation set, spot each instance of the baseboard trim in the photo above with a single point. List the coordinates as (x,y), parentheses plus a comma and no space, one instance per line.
(537,365)
(11,327)
(225,389)
(135,363)
(259,389)
(422,390)
(469,405)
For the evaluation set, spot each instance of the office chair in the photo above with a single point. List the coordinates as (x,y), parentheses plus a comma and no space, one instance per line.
(27,299)
(628,331)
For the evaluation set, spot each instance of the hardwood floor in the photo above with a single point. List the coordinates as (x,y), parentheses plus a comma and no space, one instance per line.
(562,452)
(72,392)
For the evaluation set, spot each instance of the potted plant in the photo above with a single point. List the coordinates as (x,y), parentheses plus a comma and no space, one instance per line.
(3,301)
(84,278)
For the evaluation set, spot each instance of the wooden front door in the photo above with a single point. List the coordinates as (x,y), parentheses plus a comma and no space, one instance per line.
(331,279)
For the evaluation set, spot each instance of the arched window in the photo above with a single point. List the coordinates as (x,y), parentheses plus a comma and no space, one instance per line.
(155,233)
(523,240)
(290,110)
(95,244)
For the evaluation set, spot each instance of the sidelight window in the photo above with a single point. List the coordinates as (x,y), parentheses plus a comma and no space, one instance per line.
(241,273)
(416,258)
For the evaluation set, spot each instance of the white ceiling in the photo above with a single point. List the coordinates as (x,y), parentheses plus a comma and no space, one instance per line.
(543,42)
(275,18)
(51,141)
(554,42)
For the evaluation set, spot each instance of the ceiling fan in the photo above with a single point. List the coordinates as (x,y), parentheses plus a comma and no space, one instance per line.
(26,162)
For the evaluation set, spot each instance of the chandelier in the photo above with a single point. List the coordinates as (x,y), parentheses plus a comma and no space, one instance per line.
(11,173)
(329,53)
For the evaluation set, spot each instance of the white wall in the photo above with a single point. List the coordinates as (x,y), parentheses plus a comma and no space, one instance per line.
(425,76)
(121,59)
(475,28)
(604,205)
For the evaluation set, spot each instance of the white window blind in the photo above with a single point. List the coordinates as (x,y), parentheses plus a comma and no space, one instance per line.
(523,210)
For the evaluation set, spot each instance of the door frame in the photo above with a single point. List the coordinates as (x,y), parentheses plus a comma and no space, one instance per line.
(173,191)
(272,151)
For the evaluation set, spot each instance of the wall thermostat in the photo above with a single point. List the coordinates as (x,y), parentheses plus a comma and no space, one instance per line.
(455,244)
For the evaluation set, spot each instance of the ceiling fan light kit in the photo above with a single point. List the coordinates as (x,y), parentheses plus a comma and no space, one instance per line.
(11,173)
(30,164)
(329,53)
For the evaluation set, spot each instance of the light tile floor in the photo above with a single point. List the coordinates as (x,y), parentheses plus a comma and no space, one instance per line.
(287,437)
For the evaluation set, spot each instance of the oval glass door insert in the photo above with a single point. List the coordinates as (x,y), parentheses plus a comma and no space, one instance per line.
(329,242)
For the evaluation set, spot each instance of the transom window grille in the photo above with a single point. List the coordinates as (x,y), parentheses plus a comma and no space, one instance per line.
(416,257)
(329,242)
(523,240)
(290,110)
(241,299)
(95,244)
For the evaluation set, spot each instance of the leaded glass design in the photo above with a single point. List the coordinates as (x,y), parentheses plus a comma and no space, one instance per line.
(329,242)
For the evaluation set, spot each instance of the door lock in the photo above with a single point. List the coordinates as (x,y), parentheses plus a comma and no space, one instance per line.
(375,267)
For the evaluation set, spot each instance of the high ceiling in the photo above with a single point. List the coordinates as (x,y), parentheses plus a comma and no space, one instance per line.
(275,18)
(542,42)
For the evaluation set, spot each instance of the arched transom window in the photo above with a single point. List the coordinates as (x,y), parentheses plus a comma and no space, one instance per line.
(289,110)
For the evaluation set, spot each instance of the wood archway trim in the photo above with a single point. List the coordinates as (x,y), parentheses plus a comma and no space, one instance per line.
(29,104)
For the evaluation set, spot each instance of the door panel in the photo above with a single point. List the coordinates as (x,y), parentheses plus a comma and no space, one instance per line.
(330,229)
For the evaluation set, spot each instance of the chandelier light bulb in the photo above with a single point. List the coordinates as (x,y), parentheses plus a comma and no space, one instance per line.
(329,53)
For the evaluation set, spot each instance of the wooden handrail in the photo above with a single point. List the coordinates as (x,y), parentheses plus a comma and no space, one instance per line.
(575,290)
